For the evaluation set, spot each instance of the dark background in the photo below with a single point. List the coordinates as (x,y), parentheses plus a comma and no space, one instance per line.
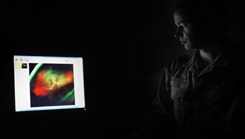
(124,46)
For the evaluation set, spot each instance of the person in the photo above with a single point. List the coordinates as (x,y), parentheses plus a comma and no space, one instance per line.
(200,93)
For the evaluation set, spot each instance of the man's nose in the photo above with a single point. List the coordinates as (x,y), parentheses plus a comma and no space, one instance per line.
(177,33)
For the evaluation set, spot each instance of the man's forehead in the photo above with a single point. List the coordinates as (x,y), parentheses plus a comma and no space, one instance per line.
(180,17)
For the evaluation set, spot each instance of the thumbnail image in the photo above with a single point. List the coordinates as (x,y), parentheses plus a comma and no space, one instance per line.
(51,84)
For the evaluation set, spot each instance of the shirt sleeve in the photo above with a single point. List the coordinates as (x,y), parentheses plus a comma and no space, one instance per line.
(235,117)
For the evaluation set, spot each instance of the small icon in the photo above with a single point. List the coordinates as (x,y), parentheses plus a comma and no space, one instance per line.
(17,65)
(24,65)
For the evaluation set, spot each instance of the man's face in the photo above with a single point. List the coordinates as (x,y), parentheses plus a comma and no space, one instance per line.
(186,32)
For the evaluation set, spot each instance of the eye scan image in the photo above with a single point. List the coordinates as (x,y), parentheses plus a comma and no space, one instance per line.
(51,84)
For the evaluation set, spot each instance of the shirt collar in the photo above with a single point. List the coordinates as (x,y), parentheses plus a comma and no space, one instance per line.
(221,60)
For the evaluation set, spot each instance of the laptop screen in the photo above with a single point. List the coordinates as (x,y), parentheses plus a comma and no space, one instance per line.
(48,83)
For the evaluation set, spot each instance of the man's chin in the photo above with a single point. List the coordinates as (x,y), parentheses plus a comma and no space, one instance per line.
(187,47)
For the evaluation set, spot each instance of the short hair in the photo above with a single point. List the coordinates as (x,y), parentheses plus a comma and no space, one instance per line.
(211,15)
(204,11)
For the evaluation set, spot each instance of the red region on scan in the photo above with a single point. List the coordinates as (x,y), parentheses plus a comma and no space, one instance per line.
(48,81)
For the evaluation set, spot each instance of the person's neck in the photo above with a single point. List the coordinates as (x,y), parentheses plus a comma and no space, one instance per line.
(210,54)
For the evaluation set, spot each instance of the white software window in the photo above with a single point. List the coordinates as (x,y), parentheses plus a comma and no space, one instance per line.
(48,83)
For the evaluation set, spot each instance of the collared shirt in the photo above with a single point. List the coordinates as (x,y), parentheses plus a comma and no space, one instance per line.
(201,99)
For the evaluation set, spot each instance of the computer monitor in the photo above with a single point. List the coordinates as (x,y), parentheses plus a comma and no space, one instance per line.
(48,83)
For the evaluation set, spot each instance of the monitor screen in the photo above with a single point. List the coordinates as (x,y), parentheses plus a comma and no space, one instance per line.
(48,83)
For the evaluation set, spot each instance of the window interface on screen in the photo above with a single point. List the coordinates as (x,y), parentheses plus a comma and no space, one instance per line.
(48,83)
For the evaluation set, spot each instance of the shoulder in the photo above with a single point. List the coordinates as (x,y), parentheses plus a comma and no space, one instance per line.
(236,56)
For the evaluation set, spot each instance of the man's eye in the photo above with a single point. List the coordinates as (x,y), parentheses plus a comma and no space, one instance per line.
(180,27)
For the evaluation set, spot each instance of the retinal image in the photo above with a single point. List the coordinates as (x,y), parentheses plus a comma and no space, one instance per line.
(51,84)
